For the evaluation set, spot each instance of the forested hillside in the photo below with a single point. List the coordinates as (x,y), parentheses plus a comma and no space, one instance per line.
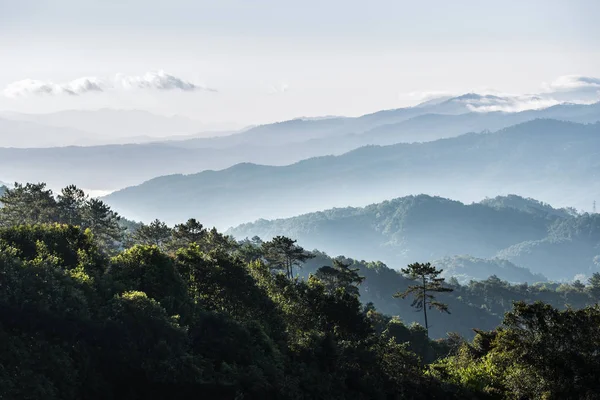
(545,159)
(545,242)
(94,309)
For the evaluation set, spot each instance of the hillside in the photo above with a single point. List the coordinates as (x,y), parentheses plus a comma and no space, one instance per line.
(424,228)
(189,310)
(111,167)
(548,159)
(428,127)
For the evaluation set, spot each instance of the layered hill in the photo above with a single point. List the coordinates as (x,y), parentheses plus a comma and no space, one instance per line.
(553,160)
(111,167)
(470,241)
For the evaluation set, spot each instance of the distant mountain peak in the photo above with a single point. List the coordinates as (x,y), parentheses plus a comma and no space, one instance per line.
(475,96)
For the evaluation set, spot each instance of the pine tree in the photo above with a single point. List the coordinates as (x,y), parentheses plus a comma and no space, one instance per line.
(28,204)
(156,233)
(283,253)
(71,203)
(429,282)
(340,275)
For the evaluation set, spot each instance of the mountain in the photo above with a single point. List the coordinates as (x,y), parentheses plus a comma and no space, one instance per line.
(15,133)
(420,228)
(528,205)
(498,240)
(428,127)
(468,268)
(104,125)
(546,159)
(112,167)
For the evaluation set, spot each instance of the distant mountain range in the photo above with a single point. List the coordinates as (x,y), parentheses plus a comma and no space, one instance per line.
(93,127)
(495,237)
(554,160)
(112,167)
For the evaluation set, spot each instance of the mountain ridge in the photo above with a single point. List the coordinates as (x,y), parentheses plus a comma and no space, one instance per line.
(520,159)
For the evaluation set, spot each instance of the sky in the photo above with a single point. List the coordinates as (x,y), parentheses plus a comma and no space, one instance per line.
(240,62)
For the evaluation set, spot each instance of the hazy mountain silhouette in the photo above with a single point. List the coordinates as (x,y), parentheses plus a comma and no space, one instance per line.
(95,127)
(471,241)
(548,159)
(113,167)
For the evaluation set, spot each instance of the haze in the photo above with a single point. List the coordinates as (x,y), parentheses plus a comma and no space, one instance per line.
(237,63)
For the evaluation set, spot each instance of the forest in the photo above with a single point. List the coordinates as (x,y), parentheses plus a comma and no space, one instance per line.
(94,306)
(519,239)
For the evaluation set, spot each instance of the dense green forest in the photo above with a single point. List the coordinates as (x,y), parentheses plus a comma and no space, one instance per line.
(517,239)
(96,307)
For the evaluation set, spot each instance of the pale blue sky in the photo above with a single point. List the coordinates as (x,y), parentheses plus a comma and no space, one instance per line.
(272,60)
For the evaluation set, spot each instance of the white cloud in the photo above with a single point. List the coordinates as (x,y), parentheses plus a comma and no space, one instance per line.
(281,88)
(513,104)
(159,80)
(573,82)
(565,89)
(87,84)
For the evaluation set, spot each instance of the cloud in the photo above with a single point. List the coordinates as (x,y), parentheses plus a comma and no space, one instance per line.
(281,88)
(28,87)
(565,89)
(159,81)
(573,82)
(514,103)
(574,89)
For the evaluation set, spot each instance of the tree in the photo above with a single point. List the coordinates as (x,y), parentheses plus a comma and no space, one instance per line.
(156,233)
(283,253)
(71,204)
(102,222)
(190,232)
(427,276)
(28,204)
(250,250)
(217,241)
(340,275)
(594,285)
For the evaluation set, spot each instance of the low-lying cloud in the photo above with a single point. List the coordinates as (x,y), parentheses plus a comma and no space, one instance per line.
(573,83)
(511,103)
(576,89)
(158,80)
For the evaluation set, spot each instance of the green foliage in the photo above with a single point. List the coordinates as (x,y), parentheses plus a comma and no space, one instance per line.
(538,353)
(340,276)
(103,223)
(594,286)
(515,238)
(283,254)
(28,204)
(34,204)
(197,319)
(428,282)
(195,313)
(190,232)
(157,233)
